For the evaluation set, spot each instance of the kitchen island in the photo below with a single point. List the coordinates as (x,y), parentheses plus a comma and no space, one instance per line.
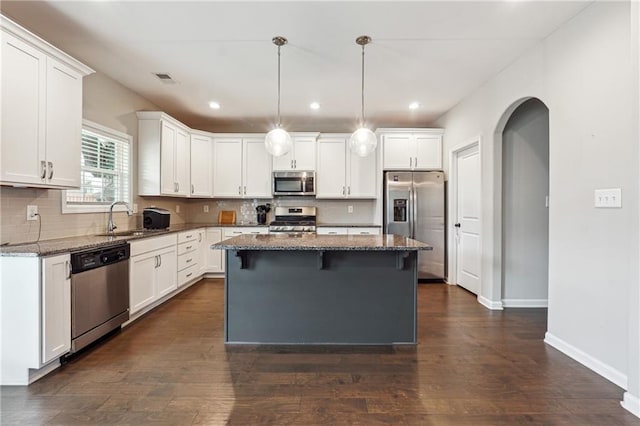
(321,289)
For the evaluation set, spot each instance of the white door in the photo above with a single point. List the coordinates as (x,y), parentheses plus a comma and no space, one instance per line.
(214,258)
(331,175)
(167,159)
(428,152)
(305,154)
(56,307)
(23,113)
(227,167)
(64,125)
(396,151)
(467,218)
(257,169)
(142,276)
(362,176)
(284,162)
(201,167)
(167,271)
(182,159)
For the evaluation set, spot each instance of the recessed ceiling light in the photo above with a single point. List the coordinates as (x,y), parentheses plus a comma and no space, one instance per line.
(314,105)
(414,105)
(214,105)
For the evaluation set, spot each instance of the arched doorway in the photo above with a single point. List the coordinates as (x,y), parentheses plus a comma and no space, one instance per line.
(525,215)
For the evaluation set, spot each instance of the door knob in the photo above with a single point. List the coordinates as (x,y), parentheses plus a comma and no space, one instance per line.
(457,225)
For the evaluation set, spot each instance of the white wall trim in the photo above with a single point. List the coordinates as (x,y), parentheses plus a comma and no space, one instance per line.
(525,303)
(631,403)
(587,360)
(490,304)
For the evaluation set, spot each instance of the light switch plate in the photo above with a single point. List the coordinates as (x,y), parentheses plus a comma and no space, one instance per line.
(608,198)
(177,208)
(205,208)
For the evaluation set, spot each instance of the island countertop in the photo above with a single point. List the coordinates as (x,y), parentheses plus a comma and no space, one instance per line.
(299,242)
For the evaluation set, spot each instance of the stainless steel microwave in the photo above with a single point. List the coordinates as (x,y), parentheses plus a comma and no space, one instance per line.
(294,183)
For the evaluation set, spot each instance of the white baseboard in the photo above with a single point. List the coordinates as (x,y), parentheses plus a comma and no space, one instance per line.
(525,303)
(631,403)
(490,304)
(587,360)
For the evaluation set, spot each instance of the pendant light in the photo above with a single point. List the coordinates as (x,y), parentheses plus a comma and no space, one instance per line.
(363,141)
(278,141)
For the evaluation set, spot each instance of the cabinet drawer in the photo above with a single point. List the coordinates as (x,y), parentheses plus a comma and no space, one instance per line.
(332,231)
(187,260)
(364,231)
(151,244)
(187,274)
(187,236)
(187,247)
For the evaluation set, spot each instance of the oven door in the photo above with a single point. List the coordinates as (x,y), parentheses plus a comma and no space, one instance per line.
(294,183)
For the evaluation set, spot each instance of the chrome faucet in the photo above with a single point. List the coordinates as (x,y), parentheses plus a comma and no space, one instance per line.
(110,225)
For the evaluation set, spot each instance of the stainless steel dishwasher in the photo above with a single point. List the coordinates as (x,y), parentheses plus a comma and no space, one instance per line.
(99,293)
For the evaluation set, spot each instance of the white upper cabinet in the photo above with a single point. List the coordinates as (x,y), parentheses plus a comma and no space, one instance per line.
(41,111)
(342,174)
(163,155)
(256,168)
(201,165)
(227,167)
(241,168)
(302,156)
(411,149)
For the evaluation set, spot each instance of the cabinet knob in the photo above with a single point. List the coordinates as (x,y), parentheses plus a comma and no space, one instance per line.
(43,169)
(50,170)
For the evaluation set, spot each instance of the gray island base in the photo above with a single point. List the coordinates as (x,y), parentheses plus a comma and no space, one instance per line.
(318,289)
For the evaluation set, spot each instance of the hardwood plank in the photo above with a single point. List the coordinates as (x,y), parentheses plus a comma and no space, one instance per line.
(471,367)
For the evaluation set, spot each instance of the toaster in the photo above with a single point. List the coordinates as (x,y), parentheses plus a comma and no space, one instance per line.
(155,218)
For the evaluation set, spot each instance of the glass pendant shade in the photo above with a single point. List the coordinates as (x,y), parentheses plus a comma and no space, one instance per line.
(278,142)
(363,142)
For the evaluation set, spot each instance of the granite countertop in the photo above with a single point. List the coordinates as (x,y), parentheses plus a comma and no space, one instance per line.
(72,244)
(347,225)
(388,242)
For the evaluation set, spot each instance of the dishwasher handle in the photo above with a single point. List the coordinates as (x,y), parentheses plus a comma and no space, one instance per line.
(91,259)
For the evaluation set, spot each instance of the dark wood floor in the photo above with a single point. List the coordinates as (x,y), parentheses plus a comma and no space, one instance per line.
(471,367)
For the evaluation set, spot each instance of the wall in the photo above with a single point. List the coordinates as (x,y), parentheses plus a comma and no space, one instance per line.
(582,73)
(525,217)
(106,102)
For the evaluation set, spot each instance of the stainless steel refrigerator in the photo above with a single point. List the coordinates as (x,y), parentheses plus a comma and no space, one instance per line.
(414,206)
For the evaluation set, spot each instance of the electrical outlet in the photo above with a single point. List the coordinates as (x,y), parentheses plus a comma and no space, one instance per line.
(349,209)
(205,208)
(177,208)
(32,212)
(135,208)
(608,198)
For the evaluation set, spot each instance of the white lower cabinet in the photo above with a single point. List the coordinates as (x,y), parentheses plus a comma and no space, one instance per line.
(214,258)
(152,270)
(189,255)
(35,314)
(234,232)
(56,307)
(348,230)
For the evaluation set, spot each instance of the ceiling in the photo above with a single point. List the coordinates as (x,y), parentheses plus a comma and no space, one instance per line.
(435,53)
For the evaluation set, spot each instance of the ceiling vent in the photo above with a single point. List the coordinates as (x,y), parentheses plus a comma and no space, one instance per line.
(164,77)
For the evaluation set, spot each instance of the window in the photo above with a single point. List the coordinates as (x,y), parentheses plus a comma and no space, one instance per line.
(105,171)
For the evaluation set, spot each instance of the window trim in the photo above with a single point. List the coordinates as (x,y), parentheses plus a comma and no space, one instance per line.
(112,134)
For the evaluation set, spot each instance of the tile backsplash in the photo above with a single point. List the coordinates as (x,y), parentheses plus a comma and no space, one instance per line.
(14,227)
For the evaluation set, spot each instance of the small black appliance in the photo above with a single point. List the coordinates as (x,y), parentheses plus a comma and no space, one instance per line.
(262,211)
(156,218)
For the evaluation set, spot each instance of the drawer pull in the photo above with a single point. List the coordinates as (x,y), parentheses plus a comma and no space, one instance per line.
(189,260)
(189,274)
(188,247)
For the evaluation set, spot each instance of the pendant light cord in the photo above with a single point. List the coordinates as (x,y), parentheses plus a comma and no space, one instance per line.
(362,122)
(279,124)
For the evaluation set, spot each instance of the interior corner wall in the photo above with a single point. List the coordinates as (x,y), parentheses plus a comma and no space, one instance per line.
(582,73)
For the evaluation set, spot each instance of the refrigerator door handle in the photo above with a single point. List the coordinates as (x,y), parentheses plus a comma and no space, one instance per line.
(415,211)
(412,217)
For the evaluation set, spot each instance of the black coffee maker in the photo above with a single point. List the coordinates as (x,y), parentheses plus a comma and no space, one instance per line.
(262,211)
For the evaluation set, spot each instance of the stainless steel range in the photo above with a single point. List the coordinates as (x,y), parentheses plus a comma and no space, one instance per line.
(294,220)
